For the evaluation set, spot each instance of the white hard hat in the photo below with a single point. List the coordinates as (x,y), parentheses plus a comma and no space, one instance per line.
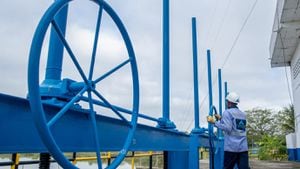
(233,97)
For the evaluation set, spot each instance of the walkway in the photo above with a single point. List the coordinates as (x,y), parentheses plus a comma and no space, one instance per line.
(256,164)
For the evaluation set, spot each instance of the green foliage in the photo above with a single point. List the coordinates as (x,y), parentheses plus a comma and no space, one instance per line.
(272,148)
(287,120)
(267,129)
(259,123)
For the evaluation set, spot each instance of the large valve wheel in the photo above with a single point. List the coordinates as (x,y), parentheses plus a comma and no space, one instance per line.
(87,91)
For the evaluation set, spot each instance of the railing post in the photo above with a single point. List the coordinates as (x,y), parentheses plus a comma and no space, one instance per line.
(44,161)
(15,161)
(150,159)
(74,158)
(132,160)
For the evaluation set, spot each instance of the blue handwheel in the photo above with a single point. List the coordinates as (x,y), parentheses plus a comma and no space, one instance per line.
(87,91)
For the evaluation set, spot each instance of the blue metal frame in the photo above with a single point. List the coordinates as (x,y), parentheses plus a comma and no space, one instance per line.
(58,123)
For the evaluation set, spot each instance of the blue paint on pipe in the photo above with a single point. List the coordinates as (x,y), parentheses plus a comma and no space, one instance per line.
(56,48)
(195,70)
(166,61)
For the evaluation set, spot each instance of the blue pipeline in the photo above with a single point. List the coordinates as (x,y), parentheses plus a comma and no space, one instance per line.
(166,61)
(219,149)
(225,93)
(165,122)
(220,97)
(194,145)
(55,53)
(195,66)
(210,126)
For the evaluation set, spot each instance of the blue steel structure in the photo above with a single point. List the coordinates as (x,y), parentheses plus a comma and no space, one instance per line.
(51,120)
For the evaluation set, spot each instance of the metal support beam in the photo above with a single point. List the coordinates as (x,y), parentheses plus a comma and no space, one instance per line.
(73,132)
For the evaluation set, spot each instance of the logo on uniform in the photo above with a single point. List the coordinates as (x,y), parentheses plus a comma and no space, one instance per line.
(240,124)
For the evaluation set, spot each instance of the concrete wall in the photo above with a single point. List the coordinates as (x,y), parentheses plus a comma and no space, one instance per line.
(295,78)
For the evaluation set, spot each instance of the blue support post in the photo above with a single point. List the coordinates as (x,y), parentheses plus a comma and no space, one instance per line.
(195,70)
(220,97)
(225,93)
(166,61)
(210,126)
(56,48)
(219,153)
(165,122)
(194,145)
(53,85)
(209,81)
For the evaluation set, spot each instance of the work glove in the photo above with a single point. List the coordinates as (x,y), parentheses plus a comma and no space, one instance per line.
(218,117)
(211,119)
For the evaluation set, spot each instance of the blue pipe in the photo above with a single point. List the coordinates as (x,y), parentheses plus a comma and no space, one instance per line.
(210,126)
(166,61)
(165,122)
(56,48)
(195,66)
(209,80)
(225,94)
(220,97)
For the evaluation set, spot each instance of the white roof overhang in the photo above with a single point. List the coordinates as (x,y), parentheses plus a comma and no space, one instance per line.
(286,32)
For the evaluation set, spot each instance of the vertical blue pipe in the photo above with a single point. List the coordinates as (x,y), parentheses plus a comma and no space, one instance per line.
(225,94)
(166,62)
(209,81)
(56,48)
(219,153)
(220,97)
(210,126)
(194,143)
(195,66)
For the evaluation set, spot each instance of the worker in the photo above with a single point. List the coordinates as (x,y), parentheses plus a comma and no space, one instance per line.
(233,123)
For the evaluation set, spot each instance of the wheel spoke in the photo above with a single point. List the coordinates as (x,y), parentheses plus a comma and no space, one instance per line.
(95,129)
(110,106)
(95,42)
(69,50)
(99,103)
(66,108)
(112,71)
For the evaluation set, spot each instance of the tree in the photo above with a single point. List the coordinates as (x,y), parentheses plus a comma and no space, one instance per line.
(260,122)
(268,128)
(286,120)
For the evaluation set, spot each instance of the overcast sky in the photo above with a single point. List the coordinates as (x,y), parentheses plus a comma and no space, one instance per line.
(247,70)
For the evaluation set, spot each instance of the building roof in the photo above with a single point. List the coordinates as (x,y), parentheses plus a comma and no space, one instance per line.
(286,32)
